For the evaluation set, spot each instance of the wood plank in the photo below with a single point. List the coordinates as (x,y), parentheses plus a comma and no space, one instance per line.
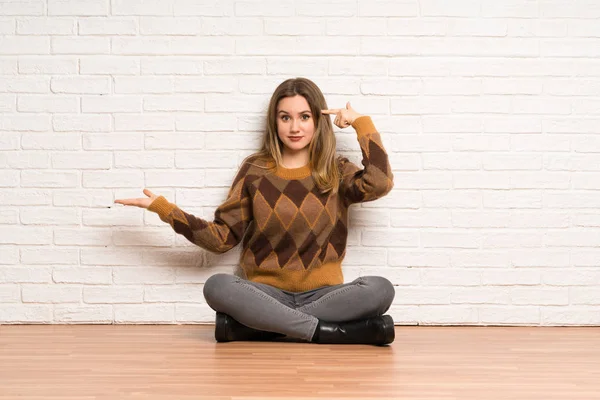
(70,362)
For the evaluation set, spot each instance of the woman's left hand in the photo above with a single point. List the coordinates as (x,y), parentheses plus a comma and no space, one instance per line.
(344,117)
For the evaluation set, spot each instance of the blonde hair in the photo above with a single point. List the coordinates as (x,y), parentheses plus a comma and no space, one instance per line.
(323,160)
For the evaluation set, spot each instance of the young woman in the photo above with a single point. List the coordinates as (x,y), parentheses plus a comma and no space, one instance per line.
(289,204)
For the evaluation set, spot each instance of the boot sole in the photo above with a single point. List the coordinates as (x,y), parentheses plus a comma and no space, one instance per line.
(222,333)
(388,329)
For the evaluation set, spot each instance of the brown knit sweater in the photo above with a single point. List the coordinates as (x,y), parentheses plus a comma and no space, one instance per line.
(294,238)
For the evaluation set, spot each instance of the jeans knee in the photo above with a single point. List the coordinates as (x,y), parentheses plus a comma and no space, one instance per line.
(382,289)
(216,287)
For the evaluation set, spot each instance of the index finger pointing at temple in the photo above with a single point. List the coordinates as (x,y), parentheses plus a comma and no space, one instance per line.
(332,111)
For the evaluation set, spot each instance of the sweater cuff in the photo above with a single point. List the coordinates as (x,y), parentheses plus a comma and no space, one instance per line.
(161,206)
(364,125)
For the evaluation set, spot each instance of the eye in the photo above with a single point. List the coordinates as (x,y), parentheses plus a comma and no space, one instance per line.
(307,116)
(284,117)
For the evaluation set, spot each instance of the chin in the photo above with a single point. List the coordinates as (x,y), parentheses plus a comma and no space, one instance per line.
(296,146)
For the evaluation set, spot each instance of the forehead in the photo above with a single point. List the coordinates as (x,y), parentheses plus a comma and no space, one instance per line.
(293,104)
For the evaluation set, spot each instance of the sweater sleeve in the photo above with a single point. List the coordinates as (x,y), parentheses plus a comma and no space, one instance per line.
(376,179)
(231,218)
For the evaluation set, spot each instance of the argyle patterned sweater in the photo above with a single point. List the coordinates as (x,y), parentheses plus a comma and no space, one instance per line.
(294,238)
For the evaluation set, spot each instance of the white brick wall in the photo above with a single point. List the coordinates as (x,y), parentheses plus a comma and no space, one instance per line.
(490,112)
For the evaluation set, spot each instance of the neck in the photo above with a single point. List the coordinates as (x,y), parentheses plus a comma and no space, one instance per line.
(295,160)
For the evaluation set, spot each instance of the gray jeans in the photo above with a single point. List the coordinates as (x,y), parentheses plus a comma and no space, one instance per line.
(296,315)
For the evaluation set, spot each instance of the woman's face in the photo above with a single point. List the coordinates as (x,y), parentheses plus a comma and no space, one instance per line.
(295,123)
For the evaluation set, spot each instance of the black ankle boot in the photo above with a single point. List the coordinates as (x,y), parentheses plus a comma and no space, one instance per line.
(228,329)
(375,330)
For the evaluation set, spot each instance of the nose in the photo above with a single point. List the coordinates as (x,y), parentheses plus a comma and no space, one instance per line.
(295,124)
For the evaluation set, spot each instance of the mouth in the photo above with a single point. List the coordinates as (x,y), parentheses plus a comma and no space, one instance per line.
(295,137)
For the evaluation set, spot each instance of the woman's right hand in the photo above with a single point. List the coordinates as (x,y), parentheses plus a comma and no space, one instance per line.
(143,202)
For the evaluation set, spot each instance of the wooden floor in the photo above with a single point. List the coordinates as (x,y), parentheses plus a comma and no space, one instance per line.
(84,362)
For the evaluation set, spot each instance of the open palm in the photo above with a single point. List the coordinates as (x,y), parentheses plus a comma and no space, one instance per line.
(143,202)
